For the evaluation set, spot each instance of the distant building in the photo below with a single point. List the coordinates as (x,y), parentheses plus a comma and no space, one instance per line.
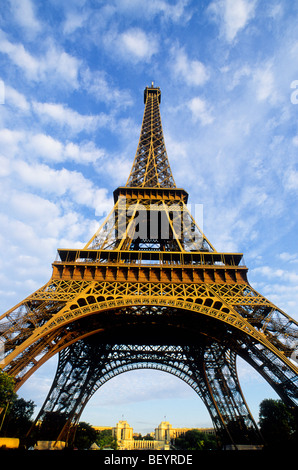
(163,435)
(122,431)
(102,428)
(165,431)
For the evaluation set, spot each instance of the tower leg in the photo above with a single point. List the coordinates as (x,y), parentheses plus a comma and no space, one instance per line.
(237,423)
(72,385)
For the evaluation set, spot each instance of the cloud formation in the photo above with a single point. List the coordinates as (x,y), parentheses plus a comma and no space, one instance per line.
(54,63)
(232,15)
(191,71)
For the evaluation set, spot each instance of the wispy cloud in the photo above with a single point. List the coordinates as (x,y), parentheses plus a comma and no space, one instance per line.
(200,111)
(62,182)
(140,387)
(173,11)
(46,148)
(191,71)
(53,65)
(24,14)
(232,15)
(99,85)
(132,45)
(58,113)
(279,283)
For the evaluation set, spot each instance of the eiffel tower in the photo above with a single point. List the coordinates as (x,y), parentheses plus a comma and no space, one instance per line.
(150,291)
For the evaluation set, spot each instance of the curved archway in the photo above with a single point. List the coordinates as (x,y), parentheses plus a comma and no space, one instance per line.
(109,316)
(197,353)
(206,304)
(138,320)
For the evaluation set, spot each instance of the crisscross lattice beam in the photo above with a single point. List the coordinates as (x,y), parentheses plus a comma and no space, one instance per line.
(151,167)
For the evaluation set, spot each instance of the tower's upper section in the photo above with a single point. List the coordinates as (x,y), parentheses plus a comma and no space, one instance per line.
(151,166)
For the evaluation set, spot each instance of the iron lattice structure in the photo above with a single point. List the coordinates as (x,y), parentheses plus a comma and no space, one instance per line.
(150,291)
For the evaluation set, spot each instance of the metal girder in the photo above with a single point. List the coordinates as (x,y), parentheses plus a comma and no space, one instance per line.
(142,224)
(24,330)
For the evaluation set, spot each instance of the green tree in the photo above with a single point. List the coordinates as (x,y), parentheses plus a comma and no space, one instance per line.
(105,439)
(278,424)
(18,420)
(85,436)
(7,395)
(195,440)
(6,389)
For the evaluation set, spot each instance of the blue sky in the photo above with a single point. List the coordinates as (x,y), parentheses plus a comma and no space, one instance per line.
(71,91)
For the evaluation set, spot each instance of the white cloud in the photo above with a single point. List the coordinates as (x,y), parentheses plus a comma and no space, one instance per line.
(4,166)
(45,146)
(10,140)
(138,44)
(276,11)
(166,10)
(20,57)
(233,15)
(63,182)
(143,385)
(289,257)
(133,45)
(176,12)
(86,152)
(277,273)
(193,72)
(61,65)
(32,229)
(48,148)
(29,207)
(200,110)
(291,179)
(243,72)
(23,12)
(65,116)
(264,81)
(41,178)
(16,99)
(53,65)
(74,20)
(279,285)
(39,212)
(30,146)
(98,83)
